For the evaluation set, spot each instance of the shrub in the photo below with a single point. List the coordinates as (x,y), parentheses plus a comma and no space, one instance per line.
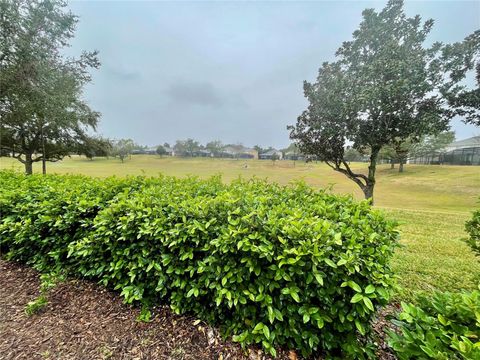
(473,229)
(272,265)
(444,326)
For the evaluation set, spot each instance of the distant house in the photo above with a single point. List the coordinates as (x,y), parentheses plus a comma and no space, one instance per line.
(145,151)
(151,151)
(269,155)
(291,155)
(202,153)
(169,151)
(238,152)
(462,152)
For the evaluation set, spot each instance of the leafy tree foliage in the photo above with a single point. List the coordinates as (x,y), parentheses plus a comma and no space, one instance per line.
(353,155)
(123,148)
(386,86)
(161,150)
(215,147)
(430,145)
(187,147)
(95,146)
(462,58)
(43,116)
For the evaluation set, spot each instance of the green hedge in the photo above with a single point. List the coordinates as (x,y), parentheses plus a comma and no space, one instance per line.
(273,265)
(473,229)
(442,326)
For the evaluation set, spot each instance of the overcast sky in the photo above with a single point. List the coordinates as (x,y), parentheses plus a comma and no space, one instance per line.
(231,71)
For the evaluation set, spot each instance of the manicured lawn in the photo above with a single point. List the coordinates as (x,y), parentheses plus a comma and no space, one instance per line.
(431,203)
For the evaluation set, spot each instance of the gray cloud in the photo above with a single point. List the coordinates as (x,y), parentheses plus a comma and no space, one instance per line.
(195,93)
(122,75)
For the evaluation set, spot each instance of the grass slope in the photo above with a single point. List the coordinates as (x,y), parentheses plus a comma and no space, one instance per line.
(431,204)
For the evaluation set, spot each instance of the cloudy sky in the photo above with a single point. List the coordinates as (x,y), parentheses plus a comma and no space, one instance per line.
(224,70)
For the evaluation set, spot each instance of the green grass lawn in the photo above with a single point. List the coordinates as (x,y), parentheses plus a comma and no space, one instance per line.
(431,203)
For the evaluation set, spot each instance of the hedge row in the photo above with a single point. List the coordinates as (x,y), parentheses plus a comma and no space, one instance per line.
(273,265)
(473,229)
(444,326)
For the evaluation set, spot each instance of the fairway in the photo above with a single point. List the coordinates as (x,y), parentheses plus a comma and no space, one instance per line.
(431,203)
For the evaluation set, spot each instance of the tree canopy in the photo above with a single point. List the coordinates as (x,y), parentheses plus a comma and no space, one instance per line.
(123,148)
(187,147)
(385,86)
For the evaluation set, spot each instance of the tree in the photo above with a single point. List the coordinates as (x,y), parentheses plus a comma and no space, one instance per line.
(427,146)
(402,149)
(385,86)
(431,146)
(259,149)
(123,148)
(95,146)
(389,154)
(274,158)
(43,116)
(161,150)
(215,147)
(351,154)
(187,147)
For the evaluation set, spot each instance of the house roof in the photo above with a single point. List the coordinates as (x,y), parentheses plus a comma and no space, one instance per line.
(470,142)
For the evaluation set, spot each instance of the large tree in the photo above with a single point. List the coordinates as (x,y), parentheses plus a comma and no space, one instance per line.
(386,85)
(43,116)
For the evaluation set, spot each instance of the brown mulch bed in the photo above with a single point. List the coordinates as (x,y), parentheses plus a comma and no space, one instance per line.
(82,320)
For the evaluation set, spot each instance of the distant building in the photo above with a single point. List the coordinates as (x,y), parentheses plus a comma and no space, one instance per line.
(202,153)
(145,151)
(269,155)
(462,152)
(169,151)
(238,152)
(292,155)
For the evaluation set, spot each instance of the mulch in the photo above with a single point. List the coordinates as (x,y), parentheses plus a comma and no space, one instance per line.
(83,320)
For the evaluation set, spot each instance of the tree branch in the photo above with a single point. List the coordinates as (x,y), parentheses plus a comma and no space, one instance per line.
(351,175)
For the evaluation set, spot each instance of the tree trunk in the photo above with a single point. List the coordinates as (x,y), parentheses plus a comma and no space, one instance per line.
(392,164)
(28,164)
(370,184)
(368,191)
(400,167)
(44,166)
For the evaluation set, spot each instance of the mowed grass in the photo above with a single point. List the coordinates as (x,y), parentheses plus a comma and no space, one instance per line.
(431,204)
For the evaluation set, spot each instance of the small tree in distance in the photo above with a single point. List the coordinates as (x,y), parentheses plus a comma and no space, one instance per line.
(275,157)
(215,147)
(161,150)
(123,148)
